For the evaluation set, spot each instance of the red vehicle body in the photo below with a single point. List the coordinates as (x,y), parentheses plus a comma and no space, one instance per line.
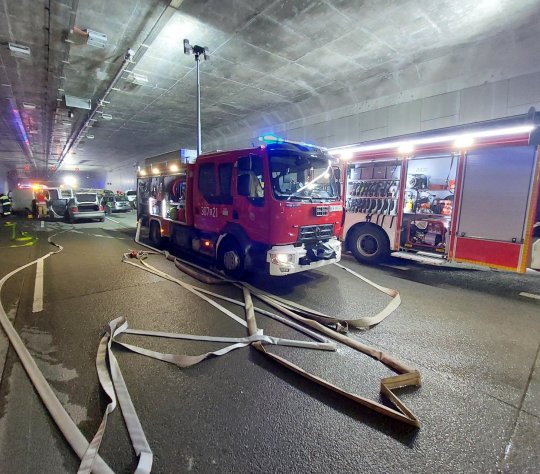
(456,195)
(276,206)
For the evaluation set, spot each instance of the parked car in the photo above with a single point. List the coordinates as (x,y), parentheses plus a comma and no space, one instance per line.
(115,204)
(132,197)
(84,206)
(58,201)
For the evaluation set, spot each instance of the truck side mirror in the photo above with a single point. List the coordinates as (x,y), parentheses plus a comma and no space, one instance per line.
(243,184)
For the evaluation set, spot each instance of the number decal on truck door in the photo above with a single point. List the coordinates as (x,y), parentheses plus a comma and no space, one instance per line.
(208,211)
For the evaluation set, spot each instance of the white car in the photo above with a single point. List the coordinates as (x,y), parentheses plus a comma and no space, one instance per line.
(132,197)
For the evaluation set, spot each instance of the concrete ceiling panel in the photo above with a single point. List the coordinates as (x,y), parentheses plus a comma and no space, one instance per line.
(242,53)
(271,36)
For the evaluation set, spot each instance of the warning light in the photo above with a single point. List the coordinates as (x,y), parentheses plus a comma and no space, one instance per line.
(269,138)
(207,243)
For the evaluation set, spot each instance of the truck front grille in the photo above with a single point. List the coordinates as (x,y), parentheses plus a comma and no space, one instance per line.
(315,232)
(321,211)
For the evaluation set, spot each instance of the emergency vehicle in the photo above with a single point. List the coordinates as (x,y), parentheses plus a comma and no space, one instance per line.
(467,195)
(276,207)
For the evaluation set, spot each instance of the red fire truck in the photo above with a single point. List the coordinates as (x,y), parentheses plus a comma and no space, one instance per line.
(277,206)
(458,195)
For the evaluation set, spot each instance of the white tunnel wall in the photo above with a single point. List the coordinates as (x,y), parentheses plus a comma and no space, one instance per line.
(495,79)
(122,179)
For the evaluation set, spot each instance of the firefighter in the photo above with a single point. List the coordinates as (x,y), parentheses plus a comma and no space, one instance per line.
(5,205)
(41,202)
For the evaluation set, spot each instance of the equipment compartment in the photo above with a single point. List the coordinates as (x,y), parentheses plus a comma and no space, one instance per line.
(428,204)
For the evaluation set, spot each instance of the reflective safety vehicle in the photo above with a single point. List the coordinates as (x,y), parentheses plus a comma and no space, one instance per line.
(275,207)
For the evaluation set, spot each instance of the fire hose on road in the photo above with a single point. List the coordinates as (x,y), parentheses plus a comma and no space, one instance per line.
(316,325)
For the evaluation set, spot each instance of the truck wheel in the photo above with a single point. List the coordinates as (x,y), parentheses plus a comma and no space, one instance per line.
(155,234)
(368,244)
(231,258)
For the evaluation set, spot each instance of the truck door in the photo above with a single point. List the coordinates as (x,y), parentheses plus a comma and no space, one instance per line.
(250,200)
(492,227)
(207,200)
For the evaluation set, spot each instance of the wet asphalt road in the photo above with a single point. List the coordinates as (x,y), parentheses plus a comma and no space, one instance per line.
(473,338)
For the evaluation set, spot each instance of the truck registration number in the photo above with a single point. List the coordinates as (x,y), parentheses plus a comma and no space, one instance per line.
(208,211)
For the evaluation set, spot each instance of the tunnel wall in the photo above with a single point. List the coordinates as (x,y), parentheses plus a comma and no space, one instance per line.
(122,178)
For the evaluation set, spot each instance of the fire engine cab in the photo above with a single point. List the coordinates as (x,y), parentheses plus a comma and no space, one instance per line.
(276,206)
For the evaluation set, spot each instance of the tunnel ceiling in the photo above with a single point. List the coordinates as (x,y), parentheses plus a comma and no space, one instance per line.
(267,57)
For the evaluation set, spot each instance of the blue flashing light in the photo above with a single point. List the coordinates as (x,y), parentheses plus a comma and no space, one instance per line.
(270,138)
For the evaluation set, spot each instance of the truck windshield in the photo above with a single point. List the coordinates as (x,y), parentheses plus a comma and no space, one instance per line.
(302,176)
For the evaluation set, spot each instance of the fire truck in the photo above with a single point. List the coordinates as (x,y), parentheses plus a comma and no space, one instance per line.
(275,207)
(463,194)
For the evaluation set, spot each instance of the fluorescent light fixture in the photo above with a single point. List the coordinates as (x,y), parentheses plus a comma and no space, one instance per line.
(346,155)
(77,102)
(19,51)
(90,137)
(96,39)
(106,116)
(139,79)
(70,180)
(142,172)
(173,167)
(155,170)
(496,132)
(465,141)
(406,148)
(28,105)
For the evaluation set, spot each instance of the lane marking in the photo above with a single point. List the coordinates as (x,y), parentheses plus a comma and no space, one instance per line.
(38,288)
(530,295)
(42,224)
(113,220)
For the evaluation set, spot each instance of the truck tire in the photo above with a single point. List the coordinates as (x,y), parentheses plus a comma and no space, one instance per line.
(155,234)
(231,258)
(368,244)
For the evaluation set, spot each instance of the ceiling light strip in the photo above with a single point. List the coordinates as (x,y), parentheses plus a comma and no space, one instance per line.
(496,132)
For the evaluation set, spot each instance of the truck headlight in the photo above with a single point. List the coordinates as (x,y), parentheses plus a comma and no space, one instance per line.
(281,258)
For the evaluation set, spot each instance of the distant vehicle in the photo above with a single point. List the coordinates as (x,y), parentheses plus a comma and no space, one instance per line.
(21,200)
(132,197)
(115,204)
(84,206)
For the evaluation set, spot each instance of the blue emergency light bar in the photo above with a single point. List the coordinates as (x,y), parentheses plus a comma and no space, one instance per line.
(269,138)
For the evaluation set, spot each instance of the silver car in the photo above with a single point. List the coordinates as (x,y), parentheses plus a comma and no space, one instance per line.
(84,206)
(115,204)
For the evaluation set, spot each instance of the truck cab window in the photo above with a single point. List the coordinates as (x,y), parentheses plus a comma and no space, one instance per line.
(207,182)
(250,177)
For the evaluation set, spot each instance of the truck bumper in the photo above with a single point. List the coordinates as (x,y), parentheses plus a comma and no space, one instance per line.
(287,259)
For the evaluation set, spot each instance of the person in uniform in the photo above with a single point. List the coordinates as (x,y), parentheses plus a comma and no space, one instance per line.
(5,205)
